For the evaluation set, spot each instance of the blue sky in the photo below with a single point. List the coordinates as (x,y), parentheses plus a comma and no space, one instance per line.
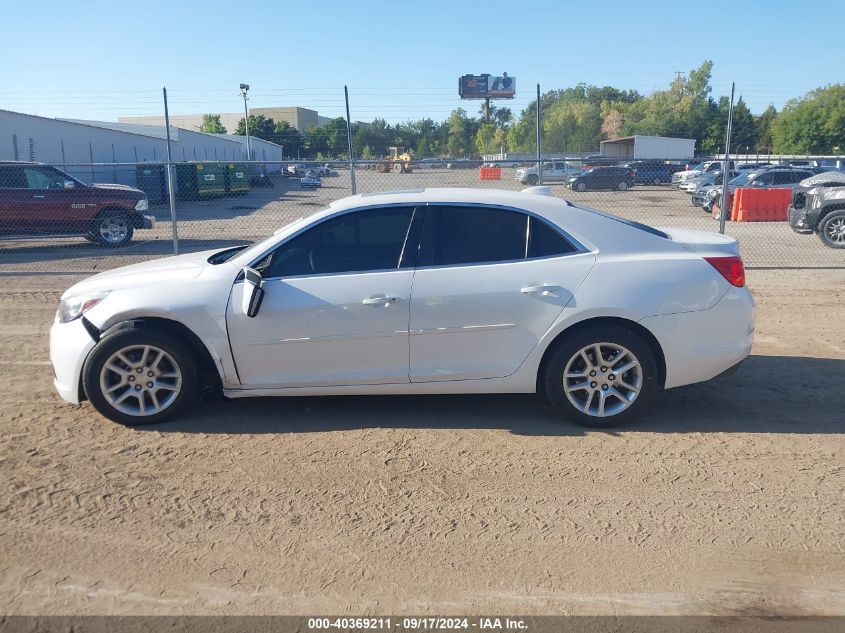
(99,60)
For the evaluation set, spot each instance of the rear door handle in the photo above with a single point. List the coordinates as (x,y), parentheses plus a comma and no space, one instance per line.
(377,300)
(38,196)
(542,288)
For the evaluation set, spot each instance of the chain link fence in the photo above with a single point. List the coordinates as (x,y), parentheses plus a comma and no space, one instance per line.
(93,217)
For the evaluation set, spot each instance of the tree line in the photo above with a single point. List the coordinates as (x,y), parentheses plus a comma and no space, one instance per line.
(576,119)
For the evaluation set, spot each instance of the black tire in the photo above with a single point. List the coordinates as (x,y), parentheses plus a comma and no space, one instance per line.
(580,186)
(112,229)
(131,338)
(658,182)
(831,229)
(553,378)
(622,186)
(533,180)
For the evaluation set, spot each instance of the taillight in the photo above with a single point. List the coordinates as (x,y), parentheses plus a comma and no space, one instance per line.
(731,268)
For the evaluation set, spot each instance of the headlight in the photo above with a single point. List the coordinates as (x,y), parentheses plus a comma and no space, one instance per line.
(143,205)
(74,307)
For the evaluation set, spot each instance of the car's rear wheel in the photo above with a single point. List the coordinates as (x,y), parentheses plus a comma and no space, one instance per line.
(657,181)
(139,376)
(112,229)
(601,377)
(832,229)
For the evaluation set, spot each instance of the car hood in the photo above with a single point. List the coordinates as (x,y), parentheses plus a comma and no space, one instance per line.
(179,269)
(116,187)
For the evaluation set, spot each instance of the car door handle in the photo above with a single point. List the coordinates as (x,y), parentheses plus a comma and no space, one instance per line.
(378,300)
(38,196)
(542,288)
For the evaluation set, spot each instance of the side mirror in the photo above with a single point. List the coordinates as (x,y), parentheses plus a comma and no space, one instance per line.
(253,292)
(69,184)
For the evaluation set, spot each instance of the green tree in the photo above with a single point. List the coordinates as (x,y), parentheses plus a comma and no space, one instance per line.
(259,127)
(814,123)
(288,137)
(211,124)
(763,126)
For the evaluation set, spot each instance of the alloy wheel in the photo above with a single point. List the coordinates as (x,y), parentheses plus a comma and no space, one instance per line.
(114,229)
(140,380)
(602,379)
(835,231)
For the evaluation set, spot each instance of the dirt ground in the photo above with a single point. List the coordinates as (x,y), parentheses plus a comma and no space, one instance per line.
(727,500)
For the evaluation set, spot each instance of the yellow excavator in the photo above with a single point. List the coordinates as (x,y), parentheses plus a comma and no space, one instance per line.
(398,161)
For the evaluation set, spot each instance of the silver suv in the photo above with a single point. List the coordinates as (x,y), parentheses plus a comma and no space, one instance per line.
(818,206)
(553,171)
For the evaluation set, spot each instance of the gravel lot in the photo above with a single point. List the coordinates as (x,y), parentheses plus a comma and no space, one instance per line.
(727,500)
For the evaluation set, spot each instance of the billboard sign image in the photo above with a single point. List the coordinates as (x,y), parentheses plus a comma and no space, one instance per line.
(487,86)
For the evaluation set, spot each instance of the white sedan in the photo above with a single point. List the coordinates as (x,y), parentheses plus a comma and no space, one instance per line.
(415,292)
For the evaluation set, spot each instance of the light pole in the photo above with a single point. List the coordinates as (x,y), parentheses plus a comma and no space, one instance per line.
(244,90)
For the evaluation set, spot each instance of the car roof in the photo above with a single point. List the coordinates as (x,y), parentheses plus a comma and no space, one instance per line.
(454,195)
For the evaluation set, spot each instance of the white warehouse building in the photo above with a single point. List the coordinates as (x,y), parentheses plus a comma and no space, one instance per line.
(640,146)
(76,146)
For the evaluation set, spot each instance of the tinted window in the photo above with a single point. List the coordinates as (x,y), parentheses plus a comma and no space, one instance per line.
(544,241)
(467,235)
(764,179)
(357,241)
(12,178)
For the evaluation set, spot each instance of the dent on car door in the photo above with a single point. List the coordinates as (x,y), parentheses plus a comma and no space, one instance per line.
(489,284)
(335,306)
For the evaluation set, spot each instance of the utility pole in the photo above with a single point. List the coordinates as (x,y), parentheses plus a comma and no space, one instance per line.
(244,91)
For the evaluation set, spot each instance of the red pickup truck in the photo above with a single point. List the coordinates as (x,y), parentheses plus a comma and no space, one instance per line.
(41,201)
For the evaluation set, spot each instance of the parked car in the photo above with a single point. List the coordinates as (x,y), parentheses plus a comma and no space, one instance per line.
(652,172)
(41,201)
(617,178)
(422,291)
(777,177)
(818,206)
(708,179)
(700,195)
(553,171)
(311,180)
(680,177)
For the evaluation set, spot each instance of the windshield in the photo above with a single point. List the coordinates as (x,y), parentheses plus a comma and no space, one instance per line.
(740,180)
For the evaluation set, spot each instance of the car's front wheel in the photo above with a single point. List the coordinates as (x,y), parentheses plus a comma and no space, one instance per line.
(580,186)
(832,229)
(532,179)
(601,376)
(112,229)
(139,376)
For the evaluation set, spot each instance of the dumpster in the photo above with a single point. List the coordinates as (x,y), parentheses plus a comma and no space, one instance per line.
(152,180)
(202,180)
(237,178)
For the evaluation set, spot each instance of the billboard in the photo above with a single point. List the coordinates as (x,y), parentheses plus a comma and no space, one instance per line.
(487,86)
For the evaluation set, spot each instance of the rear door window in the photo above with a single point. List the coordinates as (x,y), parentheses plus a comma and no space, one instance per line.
(455,235)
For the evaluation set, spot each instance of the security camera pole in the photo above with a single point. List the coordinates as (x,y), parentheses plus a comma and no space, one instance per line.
(244,90)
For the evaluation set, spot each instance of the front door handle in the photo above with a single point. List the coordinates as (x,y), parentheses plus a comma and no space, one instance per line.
(377,300)
(38,196)
(545,289)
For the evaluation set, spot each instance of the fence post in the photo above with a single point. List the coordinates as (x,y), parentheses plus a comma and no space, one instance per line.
(539,140)
(726,171)
(172,193)
(349,140)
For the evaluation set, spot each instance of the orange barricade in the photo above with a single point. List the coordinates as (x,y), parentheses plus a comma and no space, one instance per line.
(491,173)
(761,205)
